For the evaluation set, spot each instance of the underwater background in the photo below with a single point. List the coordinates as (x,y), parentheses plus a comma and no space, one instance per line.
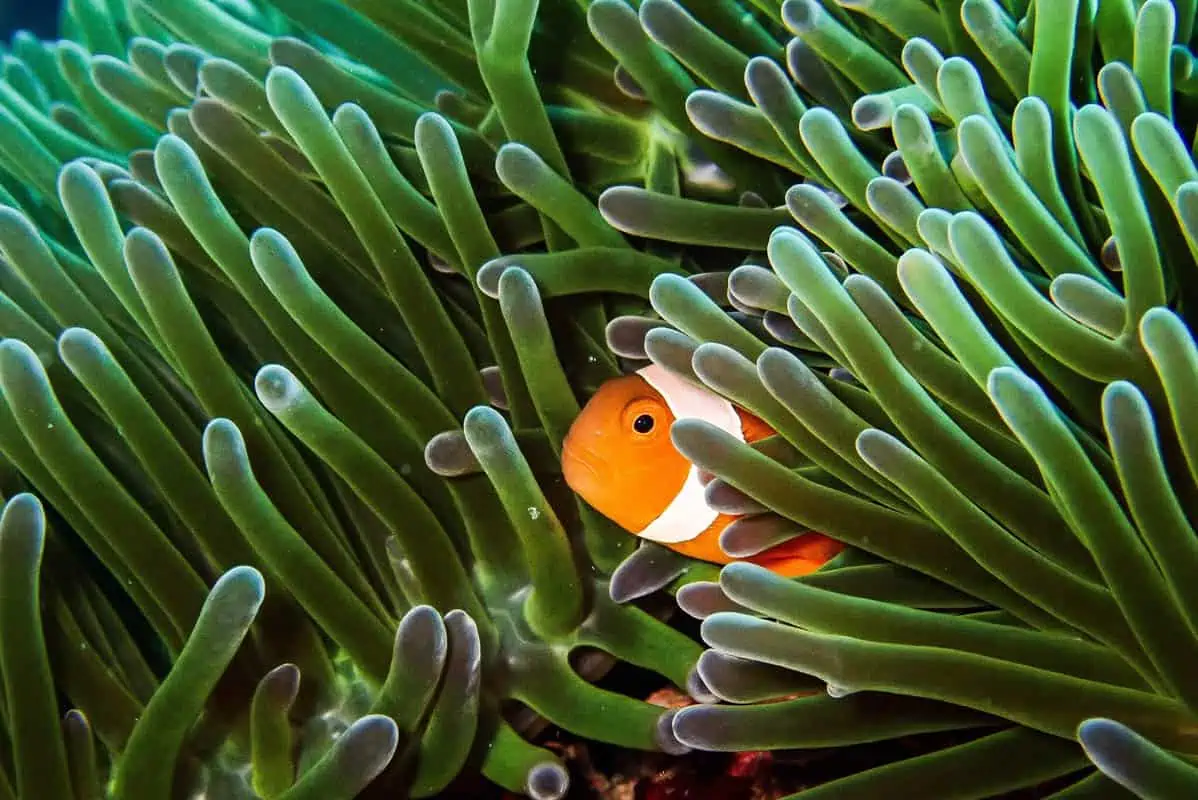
(300,299)
(39,17)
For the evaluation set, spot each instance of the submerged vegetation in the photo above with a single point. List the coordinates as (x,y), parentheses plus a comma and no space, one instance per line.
(299,298)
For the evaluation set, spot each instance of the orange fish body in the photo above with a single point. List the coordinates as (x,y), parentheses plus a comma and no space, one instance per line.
(619,458)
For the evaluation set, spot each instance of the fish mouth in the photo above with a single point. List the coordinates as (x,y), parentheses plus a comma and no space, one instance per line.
(583,471)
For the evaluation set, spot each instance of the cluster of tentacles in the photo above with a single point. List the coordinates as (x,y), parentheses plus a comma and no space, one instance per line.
(298,300)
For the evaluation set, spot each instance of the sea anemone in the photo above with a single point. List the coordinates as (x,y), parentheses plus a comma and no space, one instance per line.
(233,324)
(1002,436)
(300,298)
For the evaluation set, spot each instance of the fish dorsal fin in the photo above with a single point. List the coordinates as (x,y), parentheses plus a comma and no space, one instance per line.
(688,514)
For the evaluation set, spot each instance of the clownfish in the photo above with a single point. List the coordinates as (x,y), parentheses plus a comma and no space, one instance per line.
(618,457)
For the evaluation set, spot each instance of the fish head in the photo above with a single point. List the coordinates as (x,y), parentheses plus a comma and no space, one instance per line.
(618,456)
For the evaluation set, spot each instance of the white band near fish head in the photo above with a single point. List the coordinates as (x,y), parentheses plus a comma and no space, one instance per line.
(688,515)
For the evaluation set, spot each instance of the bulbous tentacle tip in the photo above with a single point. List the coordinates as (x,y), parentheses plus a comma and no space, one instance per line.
(277,388)
(518,294)
(627,84)
(800,16)
(710,113)
(75,723)
(649,569)
(23,513)
(883,193)
(439,264)
(282,78)
(243,580)
(548,781)
(918,264)
(690,726)
(493,382)
(752,535)
(1100,733)
(422,632)
(774,359)
(1089,302)
(222,439)
(481,419)
(733,679)
(657,14)
(183,63)
(350,115)
(16,356)
(787,242)
(77,172)
(835,197)
(1158,322)
(490,274)
(462,680)
(1119,752)
(751,199)
(670,348)
(268,242)
(712,284)
(727,499)
(284,49)
(209,117)
(1003,382)
(701,599)
(139,238)
(698,689)
(837,265)
(633,209)
(747,317)
(722,369)
(281,685)
(448,454)
(755,286)
(1185,197)
(518,165)
(760,68)
(666,738)
(1109,255)
(430,123)
(872,112)
(742,578)
(894,166)
(76,345)
(784,330)
(878,448)
(843,375)
(693,437)
(1123,401)
(625,335)
(233,602)
(610,20)
(444,100)
(170,147)
(366,748)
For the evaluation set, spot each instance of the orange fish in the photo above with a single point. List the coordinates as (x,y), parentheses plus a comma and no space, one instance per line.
(619,458)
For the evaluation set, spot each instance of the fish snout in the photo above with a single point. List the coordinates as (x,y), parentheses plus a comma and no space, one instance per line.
(584,471)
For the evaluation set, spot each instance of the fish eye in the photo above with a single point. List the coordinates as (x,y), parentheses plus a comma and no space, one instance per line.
(643,424)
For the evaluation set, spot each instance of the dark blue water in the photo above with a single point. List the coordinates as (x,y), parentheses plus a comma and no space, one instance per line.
(39,16)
